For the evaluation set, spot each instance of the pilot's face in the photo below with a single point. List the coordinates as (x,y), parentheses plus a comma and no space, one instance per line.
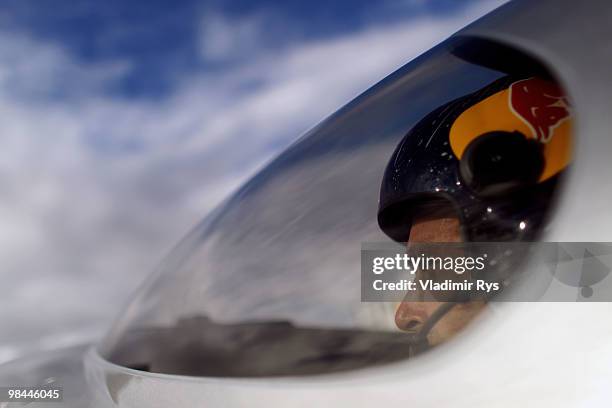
(411,314)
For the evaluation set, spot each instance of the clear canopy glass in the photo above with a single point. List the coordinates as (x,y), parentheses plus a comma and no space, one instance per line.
(269,283)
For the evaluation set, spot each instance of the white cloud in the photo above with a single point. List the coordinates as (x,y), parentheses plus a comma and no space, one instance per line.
(95,188)
(223,39)
(35,70)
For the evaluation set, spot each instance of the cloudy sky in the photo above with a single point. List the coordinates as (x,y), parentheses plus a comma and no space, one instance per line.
(123,123)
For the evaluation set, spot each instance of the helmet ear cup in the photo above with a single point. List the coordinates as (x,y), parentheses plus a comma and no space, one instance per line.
(499,162)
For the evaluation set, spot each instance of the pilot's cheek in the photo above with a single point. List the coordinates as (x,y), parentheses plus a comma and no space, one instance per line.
(454,322)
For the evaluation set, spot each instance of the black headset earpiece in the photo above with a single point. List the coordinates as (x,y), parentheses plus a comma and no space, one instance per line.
(500,162)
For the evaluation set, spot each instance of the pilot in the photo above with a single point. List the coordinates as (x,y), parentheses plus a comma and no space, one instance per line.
(480,168)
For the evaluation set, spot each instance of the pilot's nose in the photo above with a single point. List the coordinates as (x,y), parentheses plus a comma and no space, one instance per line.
(411,316)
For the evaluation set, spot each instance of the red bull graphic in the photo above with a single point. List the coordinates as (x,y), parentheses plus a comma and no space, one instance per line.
(541,104)
(536,108)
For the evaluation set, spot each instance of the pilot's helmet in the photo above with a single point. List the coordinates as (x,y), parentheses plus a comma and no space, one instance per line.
(493,158)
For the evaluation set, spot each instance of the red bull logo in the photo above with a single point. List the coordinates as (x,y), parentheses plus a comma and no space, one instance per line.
(541,104)
(537,108)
